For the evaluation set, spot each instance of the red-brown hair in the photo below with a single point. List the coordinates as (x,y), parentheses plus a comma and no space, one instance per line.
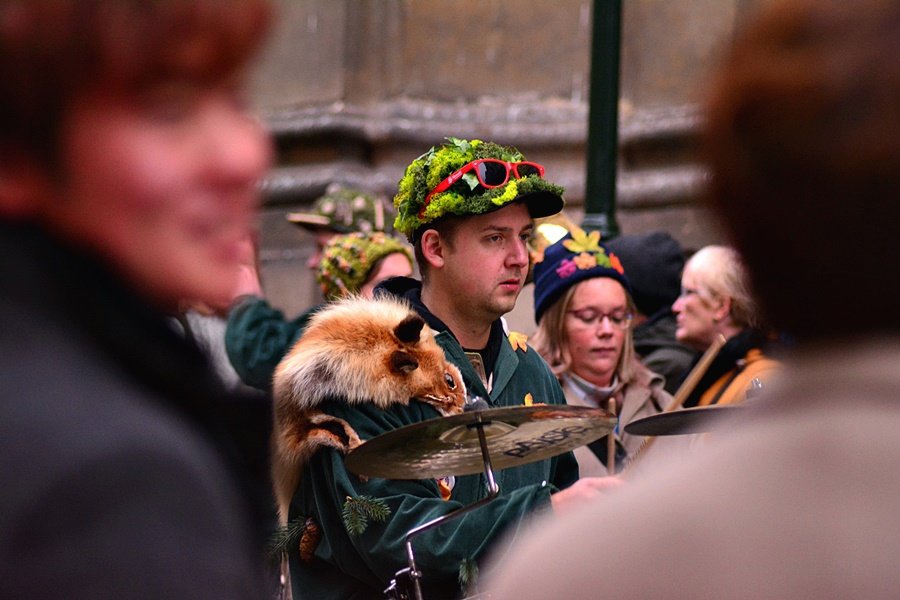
(50,50)
(803,140)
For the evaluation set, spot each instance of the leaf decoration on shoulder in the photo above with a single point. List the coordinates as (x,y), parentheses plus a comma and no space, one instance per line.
(518,341)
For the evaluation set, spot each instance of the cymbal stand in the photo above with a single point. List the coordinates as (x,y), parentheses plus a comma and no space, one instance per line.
(411,572)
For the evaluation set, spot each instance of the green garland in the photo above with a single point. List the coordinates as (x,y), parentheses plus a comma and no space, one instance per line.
(428,170)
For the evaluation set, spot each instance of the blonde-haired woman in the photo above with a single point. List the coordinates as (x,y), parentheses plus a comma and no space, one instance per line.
(584,311)
(716,300)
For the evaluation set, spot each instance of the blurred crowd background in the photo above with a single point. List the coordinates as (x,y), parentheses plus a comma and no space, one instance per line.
(352,91)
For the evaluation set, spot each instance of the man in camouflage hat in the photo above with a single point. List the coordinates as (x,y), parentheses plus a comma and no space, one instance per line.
(468,207)
(258,335)
(342,210)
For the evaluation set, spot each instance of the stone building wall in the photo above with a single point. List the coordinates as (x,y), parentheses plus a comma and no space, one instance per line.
(353,90)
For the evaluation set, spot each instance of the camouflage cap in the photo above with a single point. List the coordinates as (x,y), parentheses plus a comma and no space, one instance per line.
(466,196)
(345,210)
(347,261)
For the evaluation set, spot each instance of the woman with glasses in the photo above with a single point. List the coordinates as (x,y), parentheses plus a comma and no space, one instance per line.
(716,300)
(584,312)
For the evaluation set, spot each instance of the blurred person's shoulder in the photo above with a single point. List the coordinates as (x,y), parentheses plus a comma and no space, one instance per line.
(86,448)
(65,403)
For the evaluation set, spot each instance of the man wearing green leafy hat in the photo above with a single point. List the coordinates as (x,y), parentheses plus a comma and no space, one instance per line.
(468,208)
(465,178)
(258,335)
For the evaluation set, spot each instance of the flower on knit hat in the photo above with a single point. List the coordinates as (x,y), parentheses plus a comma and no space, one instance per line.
(566,268)
(615,263)
(588,253)
(582,241)
(585,261)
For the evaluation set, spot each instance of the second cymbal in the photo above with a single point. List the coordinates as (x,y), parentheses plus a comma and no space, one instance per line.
(697,419)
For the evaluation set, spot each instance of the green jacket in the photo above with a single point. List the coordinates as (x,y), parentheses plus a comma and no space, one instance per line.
(345,566)
(257,337)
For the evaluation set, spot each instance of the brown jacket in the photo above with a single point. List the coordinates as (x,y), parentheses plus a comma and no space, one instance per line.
(641,397)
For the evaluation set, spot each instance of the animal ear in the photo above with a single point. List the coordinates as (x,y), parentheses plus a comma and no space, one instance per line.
(409,329)
(403,362)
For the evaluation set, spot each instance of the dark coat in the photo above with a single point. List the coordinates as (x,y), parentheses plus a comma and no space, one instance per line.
(123,474)
(258,336)
(654,341)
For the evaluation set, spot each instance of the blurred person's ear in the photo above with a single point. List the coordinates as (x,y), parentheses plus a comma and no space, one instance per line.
(723,308)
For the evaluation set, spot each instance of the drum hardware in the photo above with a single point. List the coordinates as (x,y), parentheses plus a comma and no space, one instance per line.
(400,586)
(468,443)
(611,442)
(411,573)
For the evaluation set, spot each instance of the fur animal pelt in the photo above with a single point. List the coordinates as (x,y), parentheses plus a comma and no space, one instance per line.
(357,351)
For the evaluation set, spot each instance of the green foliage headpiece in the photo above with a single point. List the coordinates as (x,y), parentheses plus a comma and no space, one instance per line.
(467,196)
(344,210)
(348,260)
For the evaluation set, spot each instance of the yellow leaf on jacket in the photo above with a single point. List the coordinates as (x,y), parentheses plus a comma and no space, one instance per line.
(517,341)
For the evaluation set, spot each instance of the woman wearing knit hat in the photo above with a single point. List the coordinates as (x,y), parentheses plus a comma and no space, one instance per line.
(357,262)
(584,311)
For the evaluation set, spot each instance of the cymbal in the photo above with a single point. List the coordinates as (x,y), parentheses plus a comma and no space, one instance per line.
(449,445)
(697,419)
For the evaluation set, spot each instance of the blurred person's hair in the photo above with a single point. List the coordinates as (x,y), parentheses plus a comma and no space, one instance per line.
(51,52)
(720,273)
(803,141)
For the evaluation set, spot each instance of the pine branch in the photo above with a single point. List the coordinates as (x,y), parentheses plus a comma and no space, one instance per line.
(286,537)
(468,575)
(357,512)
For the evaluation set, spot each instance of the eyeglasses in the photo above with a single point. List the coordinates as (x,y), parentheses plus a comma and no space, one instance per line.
(589,317)
(491,173)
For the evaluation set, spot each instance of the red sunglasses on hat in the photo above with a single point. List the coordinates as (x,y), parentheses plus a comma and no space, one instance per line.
(491,173)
